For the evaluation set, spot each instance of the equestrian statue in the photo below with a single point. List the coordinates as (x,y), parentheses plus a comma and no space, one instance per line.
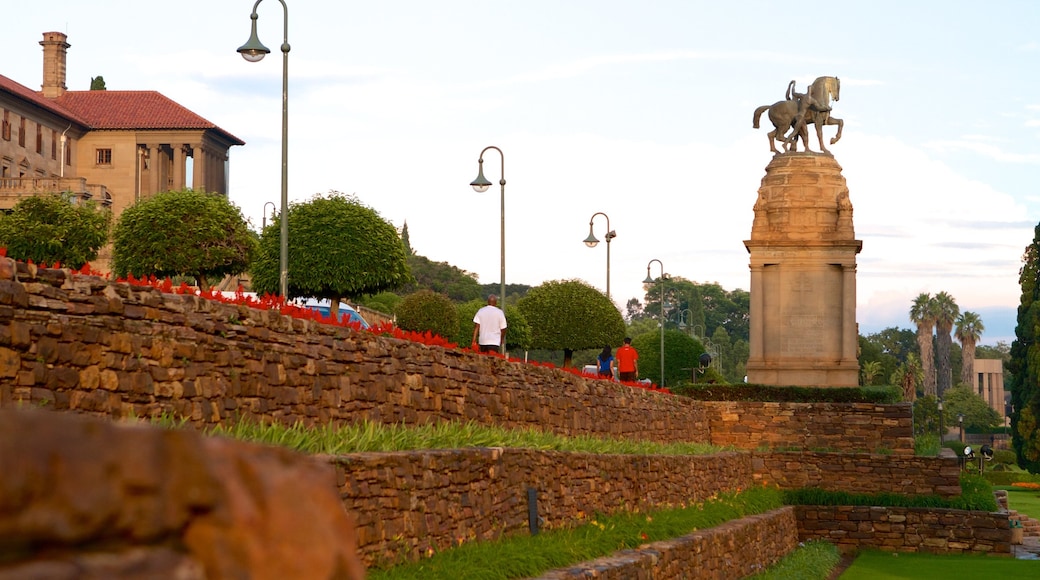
(798,110)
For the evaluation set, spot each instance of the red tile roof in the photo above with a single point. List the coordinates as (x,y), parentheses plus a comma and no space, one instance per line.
(25,93)
(134,110)
(127,110)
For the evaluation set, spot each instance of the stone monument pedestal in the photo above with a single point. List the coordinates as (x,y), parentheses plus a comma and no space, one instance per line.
(803,276)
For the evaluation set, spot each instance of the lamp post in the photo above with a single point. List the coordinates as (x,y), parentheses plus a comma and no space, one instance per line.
(480,185)
(254,51)
(960,423)
(270,203)
(591,242)
(650,280)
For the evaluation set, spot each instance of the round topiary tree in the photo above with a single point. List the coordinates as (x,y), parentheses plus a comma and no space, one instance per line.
(53,228)
(427,310)
(518,332)
(183,233)
(571,315)
(681,353)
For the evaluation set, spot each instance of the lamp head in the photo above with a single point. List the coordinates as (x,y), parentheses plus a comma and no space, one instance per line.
(648,280)
(253,50)
(591,241)
(480,184)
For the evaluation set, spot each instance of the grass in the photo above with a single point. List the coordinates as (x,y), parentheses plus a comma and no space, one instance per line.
(872,565)
(1024,501)
(976,494)
(810,561)
(523,556)
(369,437)
(926,445)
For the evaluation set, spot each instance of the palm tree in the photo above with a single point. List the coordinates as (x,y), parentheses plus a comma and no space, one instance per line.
(946,312)
(870,370)
(922,313)
(968,331)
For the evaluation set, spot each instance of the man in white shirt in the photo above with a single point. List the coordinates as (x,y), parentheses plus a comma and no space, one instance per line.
(489,331)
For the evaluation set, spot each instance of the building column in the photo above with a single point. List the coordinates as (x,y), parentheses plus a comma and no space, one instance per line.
(178,166)
(154,169)
(198,154)
(756,314)
(850,338)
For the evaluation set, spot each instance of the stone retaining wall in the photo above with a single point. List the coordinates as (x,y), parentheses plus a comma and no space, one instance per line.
(406,503)
(859,472)
(940,531)
(84,344)
(855,427)
(735,549)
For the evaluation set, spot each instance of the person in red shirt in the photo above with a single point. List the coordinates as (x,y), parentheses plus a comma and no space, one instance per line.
(627,362)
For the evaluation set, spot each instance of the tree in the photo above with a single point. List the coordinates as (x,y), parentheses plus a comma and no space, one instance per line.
(406,240)
(968,331)
(946,312)
(52,228)
(870,370)
(428,311)
(681,355)
(922,314)
(183,233)
(1025,362)
(518,332)
(442,277)
(571,315)
(97,83)
(961,400)
(909,376)
(338,248)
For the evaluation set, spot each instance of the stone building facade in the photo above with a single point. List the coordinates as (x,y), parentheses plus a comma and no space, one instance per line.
(115,147)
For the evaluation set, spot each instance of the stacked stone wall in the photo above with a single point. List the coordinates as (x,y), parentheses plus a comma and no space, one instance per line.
(406,503)
(939,531)
(859,472)
(854,427)
(85,344)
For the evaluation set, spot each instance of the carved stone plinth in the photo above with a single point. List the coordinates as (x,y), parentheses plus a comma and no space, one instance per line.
(803,276)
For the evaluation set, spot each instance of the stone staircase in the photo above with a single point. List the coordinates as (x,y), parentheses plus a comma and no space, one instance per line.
(1030,526)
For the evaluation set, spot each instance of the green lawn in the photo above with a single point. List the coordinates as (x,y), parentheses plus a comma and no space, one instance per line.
(892,566)
(1024,501)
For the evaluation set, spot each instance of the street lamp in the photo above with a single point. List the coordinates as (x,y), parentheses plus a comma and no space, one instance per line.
(254,51)
(480,185)
(591,242)
(650,280)
(270,203)
(960,423)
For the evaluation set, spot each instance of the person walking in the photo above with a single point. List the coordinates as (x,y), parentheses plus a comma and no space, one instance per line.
(489,330)
(605,362)
(627,361)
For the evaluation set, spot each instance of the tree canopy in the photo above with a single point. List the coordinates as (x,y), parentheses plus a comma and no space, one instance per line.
(428,311)
(338,248)
(571,315)
(681,356)
(54,227)
(1025,363)
(183,233)
(961,400)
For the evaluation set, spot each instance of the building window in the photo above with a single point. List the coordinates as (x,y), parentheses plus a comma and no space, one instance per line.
(21,132)
(39,139)
(68,153)
(54,144)
(104,157)
(6,130)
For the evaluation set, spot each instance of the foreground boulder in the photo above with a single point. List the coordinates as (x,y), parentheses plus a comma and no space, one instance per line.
(83,498)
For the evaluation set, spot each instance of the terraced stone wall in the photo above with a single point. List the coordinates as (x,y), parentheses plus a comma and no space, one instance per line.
(859,472)
(939,531)
(407,503)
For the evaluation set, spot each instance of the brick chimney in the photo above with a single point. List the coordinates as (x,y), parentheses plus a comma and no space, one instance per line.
(54,47)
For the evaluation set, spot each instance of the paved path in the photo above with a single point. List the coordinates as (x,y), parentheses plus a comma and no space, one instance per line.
(1029,549)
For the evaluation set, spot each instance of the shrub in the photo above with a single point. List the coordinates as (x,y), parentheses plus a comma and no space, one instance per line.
(976,494)
(766,393)
(1004,456)
(428,311)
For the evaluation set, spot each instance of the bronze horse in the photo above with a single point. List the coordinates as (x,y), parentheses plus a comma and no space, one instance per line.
(798,110)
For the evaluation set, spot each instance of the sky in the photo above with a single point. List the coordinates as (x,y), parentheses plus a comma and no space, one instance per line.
(639,110)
